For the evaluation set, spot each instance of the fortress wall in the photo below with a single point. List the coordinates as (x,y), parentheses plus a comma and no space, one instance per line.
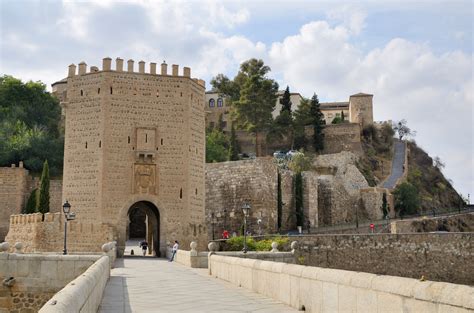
(338,138)
(230,184)
(48,235)
(13,191)
(439,257)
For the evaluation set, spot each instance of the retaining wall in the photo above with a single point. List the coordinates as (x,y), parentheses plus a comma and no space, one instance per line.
(328,290)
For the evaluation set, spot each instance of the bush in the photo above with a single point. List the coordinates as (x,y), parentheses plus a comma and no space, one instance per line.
(237,243)
(407,200)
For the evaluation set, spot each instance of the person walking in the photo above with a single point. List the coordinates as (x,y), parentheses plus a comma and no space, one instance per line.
(144,246)
(175,249)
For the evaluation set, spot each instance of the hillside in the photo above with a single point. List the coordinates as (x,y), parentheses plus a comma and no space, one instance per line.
(435,191)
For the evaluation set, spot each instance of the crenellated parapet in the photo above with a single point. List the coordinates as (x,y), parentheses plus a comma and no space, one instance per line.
(81,69)
(34,218)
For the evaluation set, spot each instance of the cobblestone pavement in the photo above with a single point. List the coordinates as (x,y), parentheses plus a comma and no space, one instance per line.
(140,284)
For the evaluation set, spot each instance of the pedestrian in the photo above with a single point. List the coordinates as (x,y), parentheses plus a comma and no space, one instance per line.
(225,234)
(175,249)
(144,246)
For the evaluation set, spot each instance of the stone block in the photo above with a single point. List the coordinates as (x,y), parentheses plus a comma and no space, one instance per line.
(366,301)
(389,303)
(49,269)
(330,297)
(23,268)
(413,305)
(347,298)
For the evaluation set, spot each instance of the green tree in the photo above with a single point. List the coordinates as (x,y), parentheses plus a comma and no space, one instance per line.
(384,205)
(234,145)
(299,199)
(279,201)
(253,110)
(337,120)
(284,125)
(44,190)
(31,204)
(302,118)
(343,118)
(407,200)
(29,118)
(318,124)
(217,147)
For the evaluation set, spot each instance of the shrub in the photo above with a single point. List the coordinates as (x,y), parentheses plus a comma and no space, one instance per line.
(237,243)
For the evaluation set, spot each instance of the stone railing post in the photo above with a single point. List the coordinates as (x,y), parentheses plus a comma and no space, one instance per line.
(275,247)
(4,246)
(18,248)
(193,246)
(212,246)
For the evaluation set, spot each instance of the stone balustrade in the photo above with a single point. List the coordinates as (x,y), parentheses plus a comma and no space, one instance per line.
(315,289)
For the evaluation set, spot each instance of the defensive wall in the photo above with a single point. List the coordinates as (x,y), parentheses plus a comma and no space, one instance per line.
(454,223)
(30,280)
(47,235)
(440,257)
(337,138)
(334,193)
(16,185)
(315,289)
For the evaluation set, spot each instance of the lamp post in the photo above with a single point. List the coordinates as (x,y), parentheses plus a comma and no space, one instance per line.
(66,209)
(246,211)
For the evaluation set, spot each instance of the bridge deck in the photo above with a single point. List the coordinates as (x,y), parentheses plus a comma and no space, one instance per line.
(156,285)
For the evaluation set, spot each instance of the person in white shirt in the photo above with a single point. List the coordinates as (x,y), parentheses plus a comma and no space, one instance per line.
(175,249)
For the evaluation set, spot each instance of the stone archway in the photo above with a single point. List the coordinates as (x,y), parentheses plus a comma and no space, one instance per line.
(144,223)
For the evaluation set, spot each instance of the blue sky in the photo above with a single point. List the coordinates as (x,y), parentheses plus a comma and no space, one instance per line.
(416,57)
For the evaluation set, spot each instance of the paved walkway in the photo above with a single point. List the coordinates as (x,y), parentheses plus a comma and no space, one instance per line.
(140,284)
(397,164)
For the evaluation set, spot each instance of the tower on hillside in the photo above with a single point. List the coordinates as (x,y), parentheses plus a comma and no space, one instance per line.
(360,109)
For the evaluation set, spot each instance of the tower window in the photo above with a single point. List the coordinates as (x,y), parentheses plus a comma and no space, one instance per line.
(86,144)
(220,102)
(128,139)
(161,141)
(98,91)
(212,103)
(100,144)
(82,92)
(146,137)
(111,90)
(181,193)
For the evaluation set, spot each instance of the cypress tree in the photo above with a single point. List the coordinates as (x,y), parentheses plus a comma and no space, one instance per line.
(285,101)
(318,124)
(234,145)
(31,206)
(342,116)
(299,199)
(44,190)
(279,202)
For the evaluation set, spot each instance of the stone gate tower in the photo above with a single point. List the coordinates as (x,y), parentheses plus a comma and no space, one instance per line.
(135,140)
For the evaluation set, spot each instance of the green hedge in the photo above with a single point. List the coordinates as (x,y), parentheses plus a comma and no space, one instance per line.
(237,243)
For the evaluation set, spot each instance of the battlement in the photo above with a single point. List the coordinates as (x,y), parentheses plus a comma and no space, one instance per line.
(35,218)
(81,69)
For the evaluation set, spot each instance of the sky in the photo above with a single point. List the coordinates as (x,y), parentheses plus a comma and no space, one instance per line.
(415,57)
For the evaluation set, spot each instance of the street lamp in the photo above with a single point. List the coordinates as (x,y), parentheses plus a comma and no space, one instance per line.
(66,209)
(246,211)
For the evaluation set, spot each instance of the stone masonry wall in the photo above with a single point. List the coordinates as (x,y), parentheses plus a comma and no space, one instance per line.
(48,235)
(338,138)
(230,184)
(15,188)
(13,181)
(37,278)
(440,257)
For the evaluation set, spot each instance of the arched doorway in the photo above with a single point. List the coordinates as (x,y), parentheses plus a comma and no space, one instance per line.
(144,224)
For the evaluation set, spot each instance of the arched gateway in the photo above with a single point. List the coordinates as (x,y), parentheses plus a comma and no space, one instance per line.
(144,223)
(135,151)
